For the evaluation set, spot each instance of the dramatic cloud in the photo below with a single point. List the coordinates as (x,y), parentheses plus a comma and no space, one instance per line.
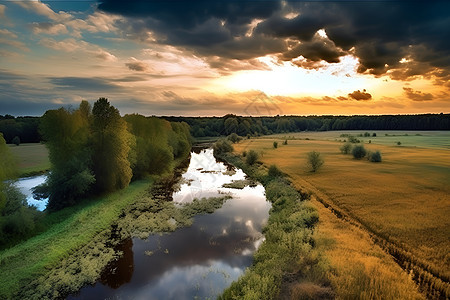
(358,95)
(380,34)
(136,65)
(72,45)
(417,95)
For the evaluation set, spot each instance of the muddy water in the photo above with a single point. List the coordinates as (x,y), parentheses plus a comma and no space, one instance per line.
(194,262)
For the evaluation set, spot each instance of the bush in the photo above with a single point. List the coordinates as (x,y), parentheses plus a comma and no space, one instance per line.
(399,143)
(251,157)
(222,146)
(353,139)
(285,142)
(315,160)
(346,148)
(16,140)
(375,156)
(274,172)
(359,152)
(244,153)
(234,138)
(374,134)
(275,145)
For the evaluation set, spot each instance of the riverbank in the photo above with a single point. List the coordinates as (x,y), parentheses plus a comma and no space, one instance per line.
(289,264)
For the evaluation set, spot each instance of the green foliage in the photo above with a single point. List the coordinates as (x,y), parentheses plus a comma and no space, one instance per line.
(222,146)
(285,142)
(68,138)
(244,153)
(366,134)
(274,172)
(359,151)
(353,139)
(314,160)
(111,147)
(234,138)
(399,143)
(275,145)
(375,156)
(251,158)
(16,140)
(374,134)
(346,148)
(8,169)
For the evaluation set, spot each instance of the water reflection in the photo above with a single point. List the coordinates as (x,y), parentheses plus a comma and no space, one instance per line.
(26,184)
(198,261)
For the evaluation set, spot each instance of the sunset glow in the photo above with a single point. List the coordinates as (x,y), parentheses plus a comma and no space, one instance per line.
(309,58)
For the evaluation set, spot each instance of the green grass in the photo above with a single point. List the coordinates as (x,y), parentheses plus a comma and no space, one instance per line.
(69,229)
(423,139)
(33,158)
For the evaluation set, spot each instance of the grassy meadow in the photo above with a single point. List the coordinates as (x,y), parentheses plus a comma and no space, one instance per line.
(403,200)
(32,158)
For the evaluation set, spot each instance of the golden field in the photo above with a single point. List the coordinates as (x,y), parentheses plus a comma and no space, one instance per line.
(403,201)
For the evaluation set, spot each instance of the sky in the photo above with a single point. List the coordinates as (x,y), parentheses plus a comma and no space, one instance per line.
(214,57)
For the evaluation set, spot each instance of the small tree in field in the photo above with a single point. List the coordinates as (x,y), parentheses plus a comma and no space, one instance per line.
(275,145)
(346,148)
(16,140)
(375,156)
(359,152)
(251,157)
(314,161)
(285,142)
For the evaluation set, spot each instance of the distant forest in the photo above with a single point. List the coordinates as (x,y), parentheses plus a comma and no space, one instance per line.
(26,128)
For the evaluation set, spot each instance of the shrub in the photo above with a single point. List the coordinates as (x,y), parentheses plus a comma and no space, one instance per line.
(366,134)
(353,139)
(375,156)
(275,145)
(315,160)
(251,157)
(359,152)
(274,172)
(234,138)
(285,142)
(222,146)
(346,148)
(399,143)
(374,134)
(16,140)
(244,153)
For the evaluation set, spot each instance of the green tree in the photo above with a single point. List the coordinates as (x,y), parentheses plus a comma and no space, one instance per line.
(8,169)
(275,145)
(111,147)
(252,157)
(375,156)
(314,160)
(346,148)
(16,140)
(68,139)
(359,152)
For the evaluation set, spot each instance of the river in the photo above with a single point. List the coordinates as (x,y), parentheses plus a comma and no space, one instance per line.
(26,184)
(195,262)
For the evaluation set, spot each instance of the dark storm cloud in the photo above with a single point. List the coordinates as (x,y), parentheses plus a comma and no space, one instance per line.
(379,33)
(358,95)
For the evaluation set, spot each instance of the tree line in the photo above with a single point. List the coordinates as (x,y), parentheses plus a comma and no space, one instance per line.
(243,126)
(94,151)
(26,128)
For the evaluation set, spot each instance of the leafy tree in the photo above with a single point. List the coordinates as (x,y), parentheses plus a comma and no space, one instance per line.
(285,142)
(234,138)
(359,151)
(8,169)
(69,142)
(222,146)
(375,156)
(252,157)
(314,160)
(346,148)
(16,140)
(111,147)
(275,145)
(274,172)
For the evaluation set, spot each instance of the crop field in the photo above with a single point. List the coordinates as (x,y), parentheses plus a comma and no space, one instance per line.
(405,199)
(32,158)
